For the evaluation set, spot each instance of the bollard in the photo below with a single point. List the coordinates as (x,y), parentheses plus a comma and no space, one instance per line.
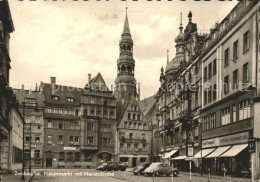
(153,175)
(208,174)
(224,174)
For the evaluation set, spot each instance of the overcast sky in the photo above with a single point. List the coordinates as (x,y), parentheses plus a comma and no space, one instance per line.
(69,39)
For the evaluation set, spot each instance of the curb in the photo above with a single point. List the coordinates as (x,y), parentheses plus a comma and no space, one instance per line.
(122,178)
(29,178)
(214,177)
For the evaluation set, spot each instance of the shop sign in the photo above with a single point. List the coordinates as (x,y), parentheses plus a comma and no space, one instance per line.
(234,139)
(190,150)
(210,143)
(251,145)
(69,148)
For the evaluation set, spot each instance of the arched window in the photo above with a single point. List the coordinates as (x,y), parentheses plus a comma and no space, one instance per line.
(133,116)
(123,68)
(138,116)
(129,115)
(125,124)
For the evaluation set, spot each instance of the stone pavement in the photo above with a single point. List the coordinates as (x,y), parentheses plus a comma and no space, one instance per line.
(221,178)
(14,178)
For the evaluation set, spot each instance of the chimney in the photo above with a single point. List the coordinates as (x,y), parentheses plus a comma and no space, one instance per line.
(112,87)
(138,94)
(22,87)
(89,78)
(36,87)
(53,83)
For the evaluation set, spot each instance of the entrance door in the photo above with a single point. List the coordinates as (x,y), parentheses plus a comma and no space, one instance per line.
(134,161)
(48,162)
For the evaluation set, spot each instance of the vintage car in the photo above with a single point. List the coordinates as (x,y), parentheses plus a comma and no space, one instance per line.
(102,166)
(140,169)
(112,166)
(159,168)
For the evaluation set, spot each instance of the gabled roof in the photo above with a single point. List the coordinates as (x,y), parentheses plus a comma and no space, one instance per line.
(147,104)
(97,81)
(120,110)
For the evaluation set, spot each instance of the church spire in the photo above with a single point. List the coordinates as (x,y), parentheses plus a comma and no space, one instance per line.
(126,25)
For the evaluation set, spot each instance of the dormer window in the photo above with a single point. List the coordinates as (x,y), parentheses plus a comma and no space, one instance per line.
(30,102)
(70,99)
(55,97)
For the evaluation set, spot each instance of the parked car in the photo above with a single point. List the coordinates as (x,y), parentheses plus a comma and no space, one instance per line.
(102,167)
(140,169)
(159,168)
(112,166)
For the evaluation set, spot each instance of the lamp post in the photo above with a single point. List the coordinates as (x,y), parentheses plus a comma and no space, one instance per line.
(23,140)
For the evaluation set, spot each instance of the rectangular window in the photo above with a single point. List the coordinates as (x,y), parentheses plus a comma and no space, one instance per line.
(245,73)
(209,94)
(226,61)
(130,135)
(234,108)
(196,131)
(225,116)
(76,140)
(76,125)
(210,70)
(90,126)
(246,41)
(90,141)
(71,141)
(205,74)
(49,139)
(37,139)
(214,91)
(37,154)
(49,124)
(226,84)
(71,126)
(205,96)
(27,138)
(60,125)
(60,140)
(214,66)
(244,109)
(235,79)
(235,50)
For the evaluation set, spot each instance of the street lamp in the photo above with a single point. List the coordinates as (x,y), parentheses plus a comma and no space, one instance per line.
(23,140)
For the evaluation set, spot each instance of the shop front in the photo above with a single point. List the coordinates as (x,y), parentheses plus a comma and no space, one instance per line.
(227,154)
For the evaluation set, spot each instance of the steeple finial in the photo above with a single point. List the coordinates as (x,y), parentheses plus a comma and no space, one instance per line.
(181,20)
(167,56)
(190,16)
(126,25)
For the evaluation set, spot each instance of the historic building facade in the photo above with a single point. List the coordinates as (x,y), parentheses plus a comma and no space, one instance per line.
(31,101)
(179,97)
(6,27)
(230,77)
(134,132)
(209,95)
(98,121)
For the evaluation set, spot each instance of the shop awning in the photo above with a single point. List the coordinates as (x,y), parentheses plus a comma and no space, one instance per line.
(203,153)
(234,150)
(218,152)
(169,154)
(182,157)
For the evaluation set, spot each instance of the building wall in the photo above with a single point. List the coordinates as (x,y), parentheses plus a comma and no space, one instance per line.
(16,140)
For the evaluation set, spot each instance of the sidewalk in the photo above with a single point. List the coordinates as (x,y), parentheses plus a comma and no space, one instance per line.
(227,179)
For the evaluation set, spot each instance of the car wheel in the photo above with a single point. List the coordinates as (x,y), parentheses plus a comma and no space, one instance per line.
(123,169)
(175,173)
(135,173)
(149,174)
(102,169)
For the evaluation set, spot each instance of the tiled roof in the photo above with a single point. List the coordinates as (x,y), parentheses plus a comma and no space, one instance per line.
(22,94)
(63,92)
(147,104)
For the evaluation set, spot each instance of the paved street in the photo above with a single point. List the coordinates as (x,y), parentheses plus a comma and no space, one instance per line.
(89,175)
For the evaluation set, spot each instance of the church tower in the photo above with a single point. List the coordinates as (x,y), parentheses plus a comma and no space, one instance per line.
(125,83)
